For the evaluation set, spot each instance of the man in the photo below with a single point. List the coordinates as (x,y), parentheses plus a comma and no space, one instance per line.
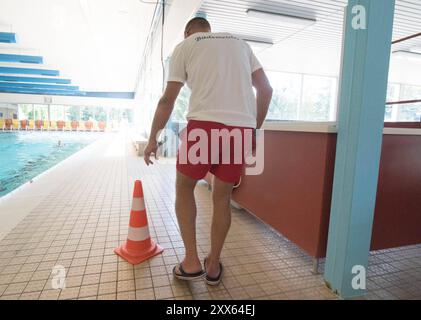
(221,71)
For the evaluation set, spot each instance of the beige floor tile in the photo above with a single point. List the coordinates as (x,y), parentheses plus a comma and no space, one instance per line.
(15,288)
(160,281)
(33,286)
(10,297)
(126,285)
(144,283)
(163,292)
(107,288)
(49,295)
(89,290)
(75,281)
(91,279)
(69,293)
(125,275)
(112,296)
(30,296)
(88,298)
(145,294)
(128,295)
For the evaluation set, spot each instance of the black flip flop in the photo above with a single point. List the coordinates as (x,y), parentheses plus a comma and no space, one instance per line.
(187,276)
(216,280)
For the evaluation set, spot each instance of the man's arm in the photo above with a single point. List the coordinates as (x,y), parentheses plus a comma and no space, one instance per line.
(162,114)
(263,95)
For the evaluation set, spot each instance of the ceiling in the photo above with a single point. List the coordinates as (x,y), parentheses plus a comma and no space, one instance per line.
(315,49)
(98,44)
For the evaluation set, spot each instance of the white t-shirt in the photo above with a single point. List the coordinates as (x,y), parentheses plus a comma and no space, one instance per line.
(217,68)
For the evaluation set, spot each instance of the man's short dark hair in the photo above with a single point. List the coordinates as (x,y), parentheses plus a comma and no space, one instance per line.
(198,22)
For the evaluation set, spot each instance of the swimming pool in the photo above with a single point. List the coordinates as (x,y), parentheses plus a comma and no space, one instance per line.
(24,155)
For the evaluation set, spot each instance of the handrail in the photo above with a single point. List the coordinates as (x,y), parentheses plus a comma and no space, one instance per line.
(407,38)
(403,102)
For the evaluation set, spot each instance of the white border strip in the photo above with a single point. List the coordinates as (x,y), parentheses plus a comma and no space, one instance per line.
(297,126)
(402,131)
(327,127)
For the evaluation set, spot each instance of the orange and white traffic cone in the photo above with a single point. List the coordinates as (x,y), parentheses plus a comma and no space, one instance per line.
(139,245)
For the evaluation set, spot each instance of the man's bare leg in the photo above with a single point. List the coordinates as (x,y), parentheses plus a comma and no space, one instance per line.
(185,207)
(221,222)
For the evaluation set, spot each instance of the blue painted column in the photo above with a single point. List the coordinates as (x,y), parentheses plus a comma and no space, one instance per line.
(364,75)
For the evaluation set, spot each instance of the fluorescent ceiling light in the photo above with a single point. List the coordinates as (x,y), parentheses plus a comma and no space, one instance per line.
(280,18)
(259,46)
(259,43)
(407,55)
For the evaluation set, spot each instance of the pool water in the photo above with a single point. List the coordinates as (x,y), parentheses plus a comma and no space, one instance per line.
(24,155)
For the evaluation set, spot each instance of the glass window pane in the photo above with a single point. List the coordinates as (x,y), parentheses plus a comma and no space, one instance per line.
(56,112)
(26,112)
(181,105)
(318,98)
(393,92)
(100,114)
(129,115)
(286,96)
(71,113)
(410,112)
(41,112)
(87,113)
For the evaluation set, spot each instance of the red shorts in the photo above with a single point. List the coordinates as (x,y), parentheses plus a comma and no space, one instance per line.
(204,148)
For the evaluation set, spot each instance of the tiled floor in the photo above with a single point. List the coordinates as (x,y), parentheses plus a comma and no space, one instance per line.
(78,224)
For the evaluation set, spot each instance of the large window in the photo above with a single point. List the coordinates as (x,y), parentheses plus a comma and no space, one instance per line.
(403,112)
(286,96)
(87,113)
(74,113)
(26,112)
(57,112)
(41,112)
(295,97)
(71,113)
(181,105)
(318,99)
(393,92)
(302,97)
(100,114)
(410,112)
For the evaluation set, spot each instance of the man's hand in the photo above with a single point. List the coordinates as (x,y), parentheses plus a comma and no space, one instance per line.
(151,148)
(162,114)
